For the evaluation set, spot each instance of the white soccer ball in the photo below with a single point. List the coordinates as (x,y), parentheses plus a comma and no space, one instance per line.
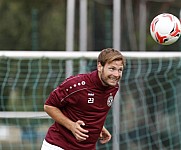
(165,29)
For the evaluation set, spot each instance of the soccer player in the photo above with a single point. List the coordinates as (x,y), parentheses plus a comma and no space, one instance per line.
(81,103)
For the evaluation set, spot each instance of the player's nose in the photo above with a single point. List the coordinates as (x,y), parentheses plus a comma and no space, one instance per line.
(116,73)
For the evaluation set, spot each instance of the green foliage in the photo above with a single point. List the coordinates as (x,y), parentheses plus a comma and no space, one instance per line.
(28,23)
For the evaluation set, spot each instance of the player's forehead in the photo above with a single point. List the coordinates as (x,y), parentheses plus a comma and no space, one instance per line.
(115,63)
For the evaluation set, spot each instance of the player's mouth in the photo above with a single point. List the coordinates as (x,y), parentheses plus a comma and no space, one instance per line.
(110,80)
(113,79)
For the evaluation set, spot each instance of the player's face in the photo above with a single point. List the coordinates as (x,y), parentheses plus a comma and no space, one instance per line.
(111,73)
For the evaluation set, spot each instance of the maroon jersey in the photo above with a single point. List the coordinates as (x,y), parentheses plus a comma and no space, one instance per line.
(82,97)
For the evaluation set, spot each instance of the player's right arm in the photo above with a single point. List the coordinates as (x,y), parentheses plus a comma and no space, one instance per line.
(75,127)
(57,100)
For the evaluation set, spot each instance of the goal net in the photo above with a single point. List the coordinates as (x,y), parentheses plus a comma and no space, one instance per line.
(148,114)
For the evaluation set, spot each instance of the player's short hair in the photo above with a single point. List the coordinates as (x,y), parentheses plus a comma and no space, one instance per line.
(109,55)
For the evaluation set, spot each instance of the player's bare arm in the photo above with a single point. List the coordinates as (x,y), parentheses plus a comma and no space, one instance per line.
(105,136)
(75,127)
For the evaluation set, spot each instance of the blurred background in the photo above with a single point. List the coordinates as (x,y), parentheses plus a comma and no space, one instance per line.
(150,115)
(41,24)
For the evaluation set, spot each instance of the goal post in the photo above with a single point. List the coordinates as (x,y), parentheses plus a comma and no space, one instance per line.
(148,116)
(84,54)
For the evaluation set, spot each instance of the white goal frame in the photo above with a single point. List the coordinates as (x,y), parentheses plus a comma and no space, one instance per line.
(83,54)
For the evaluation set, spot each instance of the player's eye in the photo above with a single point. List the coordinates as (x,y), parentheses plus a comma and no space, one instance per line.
(120,70)
(111,69)
(114,69)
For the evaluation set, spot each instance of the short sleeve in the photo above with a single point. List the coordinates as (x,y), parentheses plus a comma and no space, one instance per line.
(57,98)
(67,93)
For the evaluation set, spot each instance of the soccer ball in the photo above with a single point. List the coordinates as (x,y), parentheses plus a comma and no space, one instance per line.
(165,29)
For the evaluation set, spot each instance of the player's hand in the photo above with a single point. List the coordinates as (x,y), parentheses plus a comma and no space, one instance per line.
(79,132)
(105,136)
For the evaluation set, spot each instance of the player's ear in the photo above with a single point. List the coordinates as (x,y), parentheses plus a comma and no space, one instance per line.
(99,66)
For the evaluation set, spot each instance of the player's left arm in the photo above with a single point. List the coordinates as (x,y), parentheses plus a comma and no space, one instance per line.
(105,136)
